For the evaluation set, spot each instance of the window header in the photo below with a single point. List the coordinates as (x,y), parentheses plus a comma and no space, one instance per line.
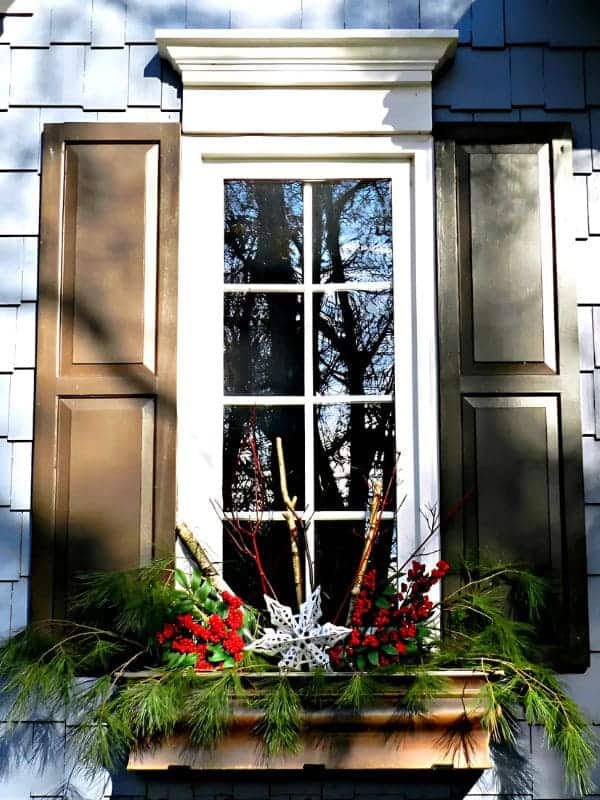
(306,81)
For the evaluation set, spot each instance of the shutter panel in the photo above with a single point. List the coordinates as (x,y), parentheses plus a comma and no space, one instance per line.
(509,367)
(104,440)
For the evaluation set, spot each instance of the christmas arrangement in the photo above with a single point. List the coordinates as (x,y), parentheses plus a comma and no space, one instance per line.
(154,650)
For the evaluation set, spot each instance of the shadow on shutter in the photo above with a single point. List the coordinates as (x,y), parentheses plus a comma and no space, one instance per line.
(509,364)
(104,441)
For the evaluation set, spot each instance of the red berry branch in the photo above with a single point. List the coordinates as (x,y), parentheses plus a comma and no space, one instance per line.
(389,625)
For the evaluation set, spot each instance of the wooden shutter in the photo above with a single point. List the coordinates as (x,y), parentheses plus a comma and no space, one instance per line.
(509,365)
(104,440)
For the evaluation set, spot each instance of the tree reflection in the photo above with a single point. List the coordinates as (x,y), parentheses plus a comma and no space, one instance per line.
(352,242)
(352,340)
(352,231)
(354,343)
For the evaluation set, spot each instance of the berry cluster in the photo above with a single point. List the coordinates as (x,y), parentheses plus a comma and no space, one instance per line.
(214,643)
(389,625)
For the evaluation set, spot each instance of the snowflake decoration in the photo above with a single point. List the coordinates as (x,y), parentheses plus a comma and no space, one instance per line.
(299,638)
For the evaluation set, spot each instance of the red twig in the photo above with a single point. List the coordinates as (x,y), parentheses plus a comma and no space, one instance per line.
(244,534)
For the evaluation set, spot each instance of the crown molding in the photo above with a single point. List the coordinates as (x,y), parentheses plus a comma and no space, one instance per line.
(296,58)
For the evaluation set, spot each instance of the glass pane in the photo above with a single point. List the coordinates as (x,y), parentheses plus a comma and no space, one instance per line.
(352,231)
(339,547)
(264,344)
(263,232)
(241,573)
(250,470)
(354,446)
(354,343)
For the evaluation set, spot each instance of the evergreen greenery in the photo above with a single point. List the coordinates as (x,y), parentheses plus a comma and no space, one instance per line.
(106,669)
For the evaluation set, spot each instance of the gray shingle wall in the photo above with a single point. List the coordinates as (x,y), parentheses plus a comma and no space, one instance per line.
(94,60)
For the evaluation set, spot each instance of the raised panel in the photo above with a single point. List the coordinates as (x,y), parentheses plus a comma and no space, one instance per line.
(109,285)
(511,465)
(104,503)
(506,260)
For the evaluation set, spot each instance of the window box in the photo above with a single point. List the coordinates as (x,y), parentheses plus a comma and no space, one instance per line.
(448,736)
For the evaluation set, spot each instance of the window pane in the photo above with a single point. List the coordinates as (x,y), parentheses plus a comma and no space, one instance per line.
(239,569)
(354,343)
(250,470)
(354,445)
(338,548)
(263,232)
(352,231)
(264,344)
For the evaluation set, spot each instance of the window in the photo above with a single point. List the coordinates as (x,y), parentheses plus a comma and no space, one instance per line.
(306,321)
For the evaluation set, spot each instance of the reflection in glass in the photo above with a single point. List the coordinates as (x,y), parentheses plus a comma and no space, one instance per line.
(352,231)
(339,547)
(354,446)
(264,344)
(250,471)
(263,231)
(354,343)
(239,570)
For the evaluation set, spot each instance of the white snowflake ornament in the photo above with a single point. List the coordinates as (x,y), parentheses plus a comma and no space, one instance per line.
(299,638)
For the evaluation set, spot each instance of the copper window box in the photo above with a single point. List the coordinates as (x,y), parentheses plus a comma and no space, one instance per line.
(448,736)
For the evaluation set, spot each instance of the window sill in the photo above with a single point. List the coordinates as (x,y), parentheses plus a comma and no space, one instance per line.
(448,736)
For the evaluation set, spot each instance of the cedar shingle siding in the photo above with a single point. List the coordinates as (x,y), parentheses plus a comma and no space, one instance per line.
(84,61)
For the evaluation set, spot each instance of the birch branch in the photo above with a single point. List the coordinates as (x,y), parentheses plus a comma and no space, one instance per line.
(203,562)
(290,517)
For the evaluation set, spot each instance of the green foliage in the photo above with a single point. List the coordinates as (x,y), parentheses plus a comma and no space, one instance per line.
(483,632)
(359,692)
(489,626)
(280,727)
(133,602)
(152,705)
(423,688)
(208,707)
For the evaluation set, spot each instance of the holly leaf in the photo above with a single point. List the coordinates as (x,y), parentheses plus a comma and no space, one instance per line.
(171,659)
(390,590)
(229,662)
(182,578)
(422,631)
(381,602)
(202,593)
(373,656)
(218,654)
(361,662)
(389,650)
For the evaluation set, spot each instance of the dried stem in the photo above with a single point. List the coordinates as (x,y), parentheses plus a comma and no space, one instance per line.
(375,511)
(198,553)
(291,518)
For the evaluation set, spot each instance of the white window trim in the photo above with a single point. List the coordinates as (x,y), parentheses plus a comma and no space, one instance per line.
(294,83)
